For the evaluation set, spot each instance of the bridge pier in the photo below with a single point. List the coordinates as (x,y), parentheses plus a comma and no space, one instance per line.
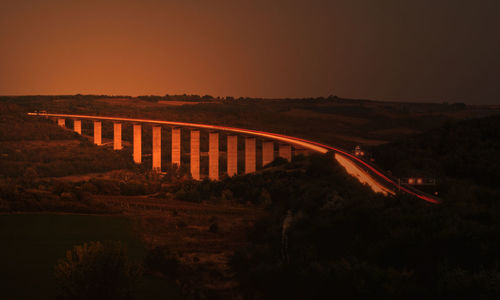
(137,143)
(249,155)
(300,151)
(77,126)
(267,152)
(157,148)
(61,122)
(232,155)
(213,156)
(195,154)
(97,133)
(117,137)
(176,146)
(285,151)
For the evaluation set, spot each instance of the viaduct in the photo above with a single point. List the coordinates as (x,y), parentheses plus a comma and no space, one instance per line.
(362,170)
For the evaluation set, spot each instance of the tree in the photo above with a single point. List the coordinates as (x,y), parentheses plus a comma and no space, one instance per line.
(96,270)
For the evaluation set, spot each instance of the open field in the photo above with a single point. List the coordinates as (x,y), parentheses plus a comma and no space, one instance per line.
(187,229)
(185,226)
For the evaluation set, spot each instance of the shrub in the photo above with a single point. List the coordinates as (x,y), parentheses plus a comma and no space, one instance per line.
(214,227)
(96,270)
(161,259)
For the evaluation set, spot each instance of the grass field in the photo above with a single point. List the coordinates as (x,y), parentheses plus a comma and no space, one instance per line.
(32,244)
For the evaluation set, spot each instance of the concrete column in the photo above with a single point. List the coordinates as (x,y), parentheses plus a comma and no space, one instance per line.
(213,156)
(61,122)
(137,143)
(77,126)
(267,152)
(249,155)
(97,133)
(232,155)
(195,154)
(285,151)
(157,148)
(176,146)
(117,137)
(300,151)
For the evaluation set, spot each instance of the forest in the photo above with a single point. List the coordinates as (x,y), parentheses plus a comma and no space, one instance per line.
(463,156)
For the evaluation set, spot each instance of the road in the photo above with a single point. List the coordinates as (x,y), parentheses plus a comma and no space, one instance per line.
(364,171)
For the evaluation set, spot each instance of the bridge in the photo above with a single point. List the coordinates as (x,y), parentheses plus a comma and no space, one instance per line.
(362,170)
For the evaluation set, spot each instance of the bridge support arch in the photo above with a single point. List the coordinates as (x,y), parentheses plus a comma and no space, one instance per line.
(250,164)
(232,155)
(117,136)
(285,151)
(156,148)
(137,152)
(176,146)
(97,133)
(267,152)
(195,154)
(213,156)
(77,126)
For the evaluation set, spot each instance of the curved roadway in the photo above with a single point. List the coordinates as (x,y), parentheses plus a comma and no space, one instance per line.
(371,174)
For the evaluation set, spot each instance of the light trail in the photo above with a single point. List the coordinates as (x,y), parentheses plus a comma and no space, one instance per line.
(311,145)
(358,173)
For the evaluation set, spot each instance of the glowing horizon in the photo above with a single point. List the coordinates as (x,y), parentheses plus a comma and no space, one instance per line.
(280,49)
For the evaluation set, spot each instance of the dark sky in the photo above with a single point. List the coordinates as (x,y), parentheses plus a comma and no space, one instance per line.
(441,50)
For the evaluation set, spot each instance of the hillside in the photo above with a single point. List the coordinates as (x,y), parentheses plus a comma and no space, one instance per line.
(464,157)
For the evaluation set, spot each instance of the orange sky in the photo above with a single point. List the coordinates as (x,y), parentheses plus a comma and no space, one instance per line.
(421,50)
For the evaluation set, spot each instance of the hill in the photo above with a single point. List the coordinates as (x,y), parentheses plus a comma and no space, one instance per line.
(463,155)
(327,237)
